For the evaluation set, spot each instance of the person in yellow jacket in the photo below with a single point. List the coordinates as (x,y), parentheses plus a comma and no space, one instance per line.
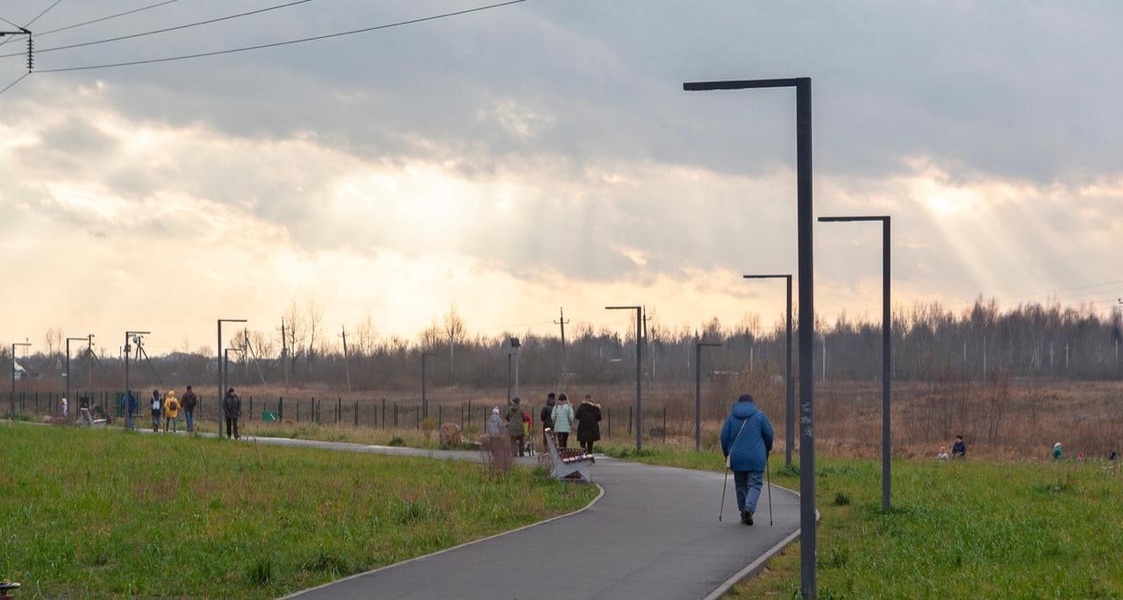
(171,412)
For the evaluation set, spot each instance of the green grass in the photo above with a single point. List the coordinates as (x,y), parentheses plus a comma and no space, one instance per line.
(969,529)
(103,513)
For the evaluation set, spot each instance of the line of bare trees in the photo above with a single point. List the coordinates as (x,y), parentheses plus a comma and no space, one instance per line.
(929,341)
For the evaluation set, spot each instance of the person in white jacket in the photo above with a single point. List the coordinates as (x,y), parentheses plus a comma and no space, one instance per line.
(563,420)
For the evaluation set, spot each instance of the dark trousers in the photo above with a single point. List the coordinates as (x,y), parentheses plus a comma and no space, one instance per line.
(517,445)
(232,425)
(563,439)
(587,446)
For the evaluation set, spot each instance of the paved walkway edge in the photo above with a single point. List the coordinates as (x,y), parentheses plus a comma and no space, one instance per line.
(451,548)
(757,565)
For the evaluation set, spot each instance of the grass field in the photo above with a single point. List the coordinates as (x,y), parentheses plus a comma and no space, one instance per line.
(103,513)
(959,529)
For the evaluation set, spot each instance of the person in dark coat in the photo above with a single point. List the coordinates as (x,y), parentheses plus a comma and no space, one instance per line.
(746,441)
(514,418)
(232,411)
(588,417)
(546,417)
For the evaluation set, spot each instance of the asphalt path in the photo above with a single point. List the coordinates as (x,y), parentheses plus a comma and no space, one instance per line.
(653,533)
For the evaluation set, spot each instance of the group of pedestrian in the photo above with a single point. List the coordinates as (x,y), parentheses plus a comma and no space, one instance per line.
(164,409)
(557,415)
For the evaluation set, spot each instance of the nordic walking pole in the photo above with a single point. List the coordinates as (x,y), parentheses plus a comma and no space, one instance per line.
(724,485)
(768,473)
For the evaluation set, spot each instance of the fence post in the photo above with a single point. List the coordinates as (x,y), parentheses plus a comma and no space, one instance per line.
(395,414)
(298,411)
(664,425)
(356,413)
(629,420)
(418,418)
(281,408)
(384,413)
(338,410)
(440,415)
(609,434)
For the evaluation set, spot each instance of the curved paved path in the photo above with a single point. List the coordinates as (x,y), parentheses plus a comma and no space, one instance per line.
(653,533)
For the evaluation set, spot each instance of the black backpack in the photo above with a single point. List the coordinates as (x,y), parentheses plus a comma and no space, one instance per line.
(547,416)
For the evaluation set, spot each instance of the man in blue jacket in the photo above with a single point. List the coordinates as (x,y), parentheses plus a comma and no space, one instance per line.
(746,441)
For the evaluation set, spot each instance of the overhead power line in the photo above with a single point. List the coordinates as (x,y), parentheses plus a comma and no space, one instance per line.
(167,29)
(13,84)
(285,43)
(106,18)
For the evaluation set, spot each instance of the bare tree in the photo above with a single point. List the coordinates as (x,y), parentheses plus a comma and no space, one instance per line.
(315,316)
(455,334)
(52,340)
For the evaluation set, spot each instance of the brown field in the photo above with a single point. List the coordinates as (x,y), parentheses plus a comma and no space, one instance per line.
(999,418)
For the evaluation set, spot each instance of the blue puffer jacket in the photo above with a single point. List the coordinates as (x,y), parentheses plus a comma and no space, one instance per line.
(750,451)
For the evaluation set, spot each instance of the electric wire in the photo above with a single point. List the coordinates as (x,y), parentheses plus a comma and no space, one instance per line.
(284,43)
(12,84)
(166,29)
(106,18)
(10,23)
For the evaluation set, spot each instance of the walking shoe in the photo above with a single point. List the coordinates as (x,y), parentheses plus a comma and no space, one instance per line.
(748,517)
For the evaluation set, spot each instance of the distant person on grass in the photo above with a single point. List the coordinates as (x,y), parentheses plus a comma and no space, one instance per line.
(171,412)
(514,418)
(959,448)
(746,441)
(64,409)
(588,417)
(547,415)
(156,406)
(232,411)
(190,401)
(1057,452)
(563,420)
(942,455)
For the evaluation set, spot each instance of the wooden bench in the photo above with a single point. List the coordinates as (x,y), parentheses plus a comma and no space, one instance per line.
(567,463)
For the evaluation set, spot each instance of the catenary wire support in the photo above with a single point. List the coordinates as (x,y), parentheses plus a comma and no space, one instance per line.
(30,44)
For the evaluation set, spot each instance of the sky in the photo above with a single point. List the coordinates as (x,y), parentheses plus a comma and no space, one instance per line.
(507,163)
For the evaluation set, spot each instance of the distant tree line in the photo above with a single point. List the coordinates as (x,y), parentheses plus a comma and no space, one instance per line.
(929,343)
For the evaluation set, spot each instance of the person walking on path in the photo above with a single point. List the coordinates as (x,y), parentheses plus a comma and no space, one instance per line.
(588,417)
(190,401)
(746,441)
(959,448)
(514,418)
(156,406)
(494,427)
(563,420)
(232,411)
(546,416)
(128,405)
(171,412)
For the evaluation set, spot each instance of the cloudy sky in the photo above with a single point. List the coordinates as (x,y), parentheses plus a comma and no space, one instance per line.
(511,161)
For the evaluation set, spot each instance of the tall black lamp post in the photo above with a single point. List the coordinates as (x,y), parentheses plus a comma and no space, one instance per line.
(806,253)
(789,389)
(698,391)
(12,415)
(221,374)
(424,398)
(639,370)
(68,340)
(886,346)
(131,337)
(513,350)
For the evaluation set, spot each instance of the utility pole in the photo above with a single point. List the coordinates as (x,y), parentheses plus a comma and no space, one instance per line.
(562,321)
(284,354)
(90,362)
(346,366)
